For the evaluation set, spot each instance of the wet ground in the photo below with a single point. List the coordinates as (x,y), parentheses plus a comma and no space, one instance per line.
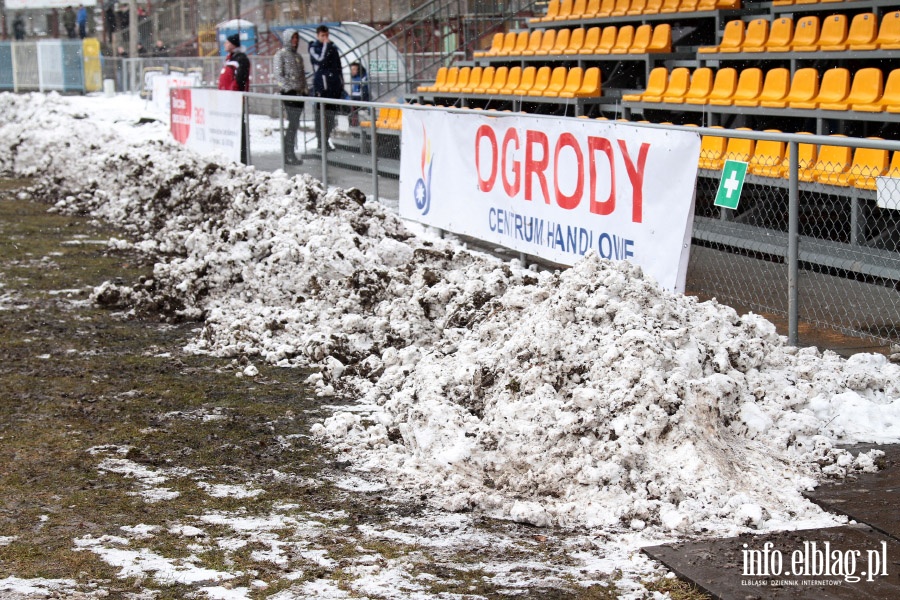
(128,466)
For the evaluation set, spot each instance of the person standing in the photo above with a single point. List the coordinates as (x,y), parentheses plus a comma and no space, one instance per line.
(290,76)
(69,20)
(235,77)
(81,19)
(19,28)
(328,79)
(160,50)
(359,89)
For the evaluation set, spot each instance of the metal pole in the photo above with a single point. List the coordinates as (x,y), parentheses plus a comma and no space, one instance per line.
(373,147)
(132,28)
(793,244)
(323,143)
(281,125)
(246,132)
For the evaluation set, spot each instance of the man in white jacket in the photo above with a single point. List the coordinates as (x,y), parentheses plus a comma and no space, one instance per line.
(290,76)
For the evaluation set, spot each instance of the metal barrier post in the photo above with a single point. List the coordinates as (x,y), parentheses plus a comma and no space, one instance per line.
(281,126)
(373,148)
(246,132)
(323,144)
(793,243)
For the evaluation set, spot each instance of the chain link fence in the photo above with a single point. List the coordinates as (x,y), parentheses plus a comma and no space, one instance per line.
(815,236)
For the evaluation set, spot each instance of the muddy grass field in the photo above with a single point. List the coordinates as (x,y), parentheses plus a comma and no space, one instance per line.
(131,469)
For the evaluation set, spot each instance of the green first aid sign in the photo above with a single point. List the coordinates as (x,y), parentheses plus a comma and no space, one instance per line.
(731,184)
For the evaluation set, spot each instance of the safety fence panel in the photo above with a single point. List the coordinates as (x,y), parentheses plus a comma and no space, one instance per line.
(7,79)
(50,65)
(73,66)
(26,72)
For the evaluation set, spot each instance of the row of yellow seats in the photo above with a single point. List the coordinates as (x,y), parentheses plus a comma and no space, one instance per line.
(644,39)
(833,165)
(388,118)
(570,10)
(775,89)
(516,81)
(834,36)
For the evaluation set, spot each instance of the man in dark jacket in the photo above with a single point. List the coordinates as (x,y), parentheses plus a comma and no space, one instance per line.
(328,78)
(235,77)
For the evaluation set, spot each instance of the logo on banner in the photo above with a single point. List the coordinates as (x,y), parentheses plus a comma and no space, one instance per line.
(181,114)
(422,190)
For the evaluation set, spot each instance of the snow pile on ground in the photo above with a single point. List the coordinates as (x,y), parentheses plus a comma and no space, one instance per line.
(586,397)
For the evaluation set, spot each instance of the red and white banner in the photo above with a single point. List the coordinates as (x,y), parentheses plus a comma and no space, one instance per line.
(208,121)
(554,188)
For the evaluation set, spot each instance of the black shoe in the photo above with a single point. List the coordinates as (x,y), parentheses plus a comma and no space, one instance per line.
(293,160)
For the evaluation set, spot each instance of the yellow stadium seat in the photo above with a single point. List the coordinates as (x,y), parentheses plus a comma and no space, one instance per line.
(806,35)
(396,119)
(621,8)
(661,40)
(384,117)
(767,157)
(606,8)
(806,157)
(496,44)
(866,178)
(497,82)
(591,40)
(830,159)
(670,6)
(521,43)
(462,80)
(542,81)
(529,75)
(557,83)
(624,38)
(591,10)
(889,100)
(548,40)
(775,88)
(782,2)
(534,42)
(732,39)
(574,78)
(565,10)
(607,40)
(739,148)
(656,85)
(723,86)
(835,86)
(780,35)
(867,88)
(576,41)
(804,87)
(679,83)
(482,84)
(578,9)
(756,36)
(867,164)
(712,151)
(706,5)
(473,82)
(438,81)
(833,37)
(653,7)
(509,42)
(450,81)
(590,85)
(552,10)
(512,81)
(748,87)
(888,35)
(636,7)
(728,4)
(863,31)
(562,41)
(641,41)
(688,6)
(701,86)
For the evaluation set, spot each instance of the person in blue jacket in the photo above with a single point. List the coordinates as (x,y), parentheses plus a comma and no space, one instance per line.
(328,79)
(359,89)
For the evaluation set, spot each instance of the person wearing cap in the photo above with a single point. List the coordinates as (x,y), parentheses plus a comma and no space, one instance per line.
(290,76)
(328,78)
(235,75)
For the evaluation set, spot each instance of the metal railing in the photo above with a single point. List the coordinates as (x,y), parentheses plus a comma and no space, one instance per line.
(803,243)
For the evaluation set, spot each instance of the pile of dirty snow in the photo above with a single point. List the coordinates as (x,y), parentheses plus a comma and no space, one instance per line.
(588,397)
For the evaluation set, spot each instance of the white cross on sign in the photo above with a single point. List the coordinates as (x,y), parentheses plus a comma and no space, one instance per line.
(731,184)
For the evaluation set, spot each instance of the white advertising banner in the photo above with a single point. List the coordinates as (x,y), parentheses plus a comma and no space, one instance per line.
(554,188)
(162,85)
(208,121)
